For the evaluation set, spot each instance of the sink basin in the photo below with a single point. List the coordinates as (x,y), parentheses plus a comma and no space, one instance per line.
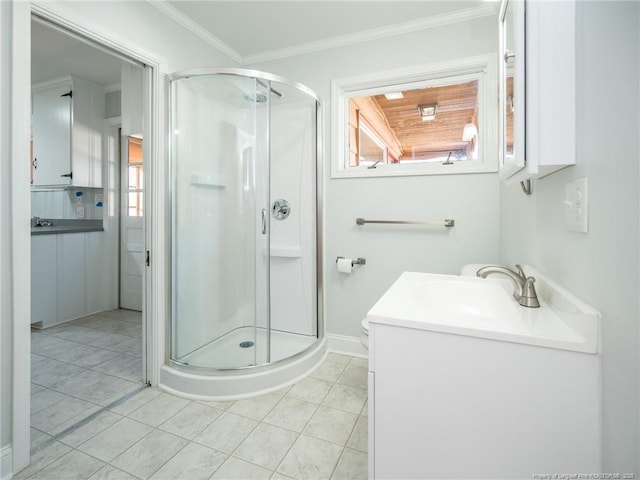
(485,308)
(478,301)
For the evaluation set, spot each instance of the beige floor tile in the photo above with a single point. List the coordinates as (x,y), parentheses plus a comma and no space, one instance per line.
(331,425)
(193,462)
(41,457)
(109,472)
(114,440)
(329,371)
(291,413)
(88,430)
(74,333)
(257,407)
(50,372)
(122,366)
(359,362)
(354,376)
(266,446)
(338,358)
(280,476)
(54,415)
(191,420)
(44,398)
(119,343)
(74,465)
(137,401)
(159,409)
(310,390)
(236,469)
(352,466)
(147,456)
(226,432)
(347,398)
(220,405)
(310,459)
(359,437)
(95,387)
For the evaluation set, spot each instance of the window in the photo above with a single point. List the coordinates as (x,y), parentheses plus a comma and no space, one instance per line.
(135,177)
(432,119)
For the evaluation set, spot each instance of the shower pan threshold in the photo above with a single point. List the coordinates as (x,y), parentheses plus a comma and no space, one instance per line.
(195,383)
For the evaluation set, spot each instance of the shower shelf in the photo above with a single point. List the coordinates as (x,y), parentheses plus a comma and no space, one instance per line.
(214,181)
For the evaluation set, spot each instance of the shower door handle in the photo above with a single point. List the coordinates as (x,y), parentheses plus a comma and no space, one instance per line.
(264,221)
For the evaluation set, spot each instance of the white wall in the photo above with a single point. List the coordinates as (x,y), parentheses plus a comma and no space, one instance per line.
(57,203)
(602,266)
(472,200)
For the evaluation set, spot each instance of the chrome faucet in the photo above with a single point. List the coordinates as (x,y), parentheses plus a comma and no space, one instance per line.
(523,290)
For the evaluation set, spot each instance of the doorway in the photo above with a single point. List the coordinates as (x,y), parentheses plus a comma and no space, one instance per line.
(86,361)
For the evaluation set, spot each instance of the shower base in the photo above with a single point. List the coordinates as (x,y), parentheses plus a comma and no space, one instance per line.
(199,382)
(229,351)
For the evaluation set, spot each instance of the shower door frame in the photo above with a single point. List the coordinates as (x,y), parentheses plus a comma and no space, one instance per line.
(319,185)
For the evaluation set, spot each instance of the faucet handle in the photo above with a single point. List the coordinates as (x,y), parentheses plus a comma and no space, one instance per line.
(520,271)
(529,297)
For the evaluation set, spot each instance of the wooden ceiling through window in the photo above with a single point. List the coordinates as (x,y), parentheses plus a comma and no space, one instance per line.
(457,106)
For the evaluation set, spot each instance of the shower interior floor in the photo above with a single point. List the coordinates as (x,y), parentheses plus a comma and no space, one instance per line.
(226,352)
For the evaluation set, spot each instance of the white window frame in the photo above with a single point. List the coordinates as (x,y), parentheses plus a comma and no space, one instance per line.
(482,68)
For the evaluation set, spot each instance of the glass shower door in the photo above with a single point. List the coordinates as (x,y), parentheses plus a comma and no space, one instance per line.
(220,221)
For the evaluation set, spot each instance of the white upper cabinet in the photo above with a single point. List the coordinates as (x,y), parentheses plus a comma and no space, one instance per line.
(67,121)
(537,88)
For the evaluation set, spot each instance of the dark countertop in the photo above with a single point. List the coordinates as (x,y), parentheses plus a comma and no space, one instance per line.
(68,226)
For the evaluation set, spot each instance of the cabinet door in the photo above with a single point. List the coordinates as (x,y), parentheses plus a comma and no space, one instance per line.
(44,292)
(71,276)
(52,136)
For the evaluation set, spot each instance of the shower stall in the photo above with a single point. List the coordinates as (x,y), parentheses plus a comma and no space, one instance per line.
(245,233)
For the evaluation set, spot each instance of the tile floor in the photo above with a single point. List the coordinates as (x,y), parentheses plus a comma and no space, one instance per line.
(315,429)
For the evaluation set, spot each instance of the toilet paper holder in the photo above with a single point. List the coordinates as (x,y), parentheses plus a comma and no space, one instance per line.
(357,261)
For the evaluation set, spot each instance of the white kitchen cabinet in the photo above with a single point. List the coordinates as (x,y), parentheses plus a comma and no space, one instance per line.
(67,121)
(71,276)
(44,281)
(537,87)
(68,279)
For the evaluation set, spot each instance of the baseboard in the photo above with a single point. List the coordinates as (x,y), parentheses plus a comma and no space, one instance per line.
(6,463)
(347,345)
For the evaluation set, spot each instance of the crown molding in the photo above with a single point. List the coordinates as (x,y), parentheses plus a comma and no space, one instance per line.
(374,34)
(326,44)
(195,28)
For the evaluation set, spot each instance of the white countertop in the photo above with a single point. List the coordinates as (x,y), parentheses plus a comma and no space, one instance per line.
(485,308)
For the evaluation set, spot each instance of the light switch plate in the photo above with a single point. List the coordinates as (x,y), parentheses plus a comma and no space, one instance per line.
(576,205)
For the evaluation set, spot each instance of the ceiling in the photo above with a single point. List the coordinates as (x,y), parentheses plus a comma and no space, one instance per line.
(56,54)
(252,31)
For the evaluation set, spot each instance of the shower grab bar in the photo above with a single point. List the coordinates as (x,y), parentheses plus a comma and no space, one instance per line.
(446,223)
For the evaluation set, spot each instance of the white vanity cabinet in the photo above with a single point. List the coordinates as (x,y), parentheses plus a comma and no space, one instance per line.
(465,383)
(67,123)
(537,87)
(452,406)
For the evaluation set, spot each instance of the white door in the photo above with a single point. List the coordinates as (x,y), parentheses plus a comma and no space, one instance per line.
(132,252)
